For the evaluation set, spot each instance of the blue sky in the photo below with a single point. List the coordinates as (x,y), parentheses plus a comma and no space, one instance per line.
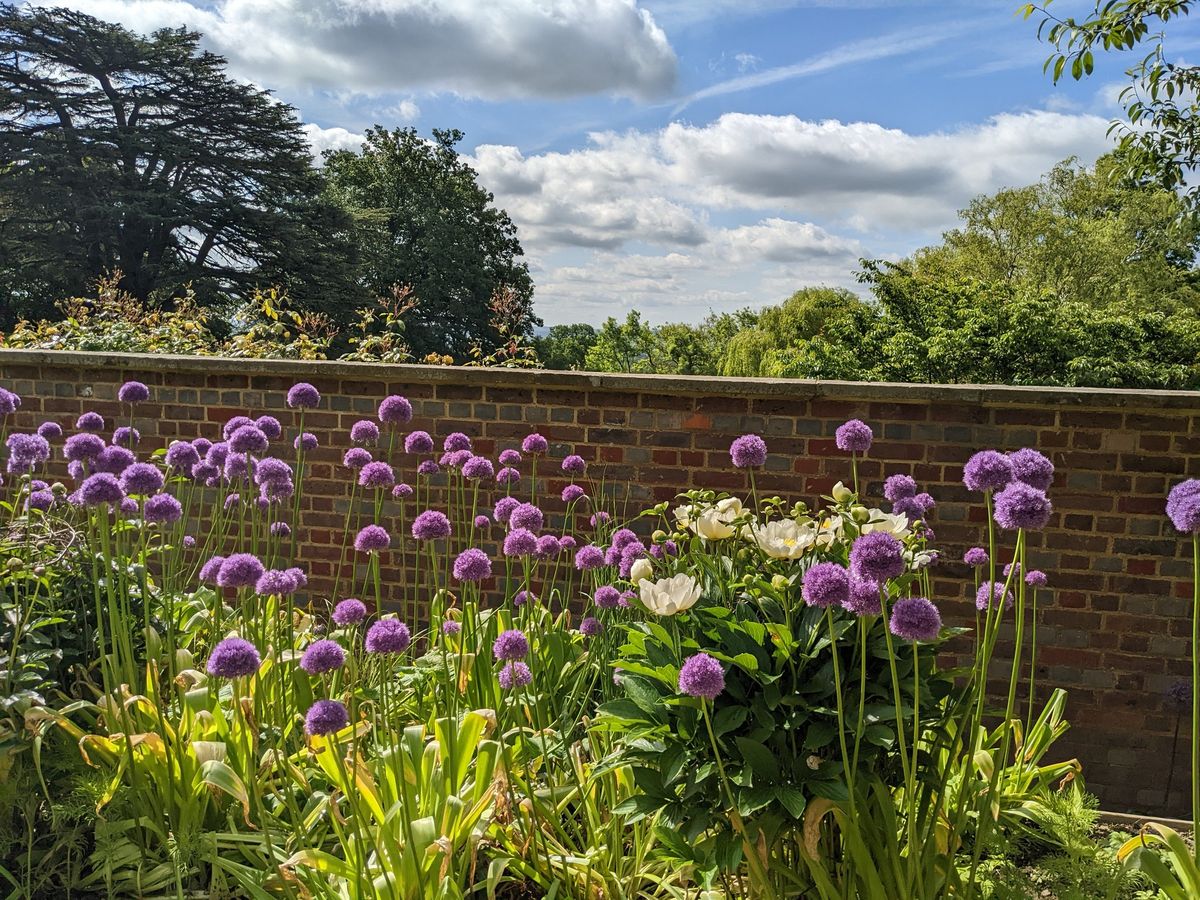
(682,156)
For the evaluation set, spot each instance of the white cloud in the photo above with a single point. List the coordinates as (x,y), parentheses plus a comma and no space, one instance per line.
(322,139)
(498,49)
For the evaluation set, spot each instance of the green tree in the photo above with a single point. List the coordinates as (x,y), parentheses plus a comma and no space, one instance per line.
(140,155)
(422,220)
(566,346)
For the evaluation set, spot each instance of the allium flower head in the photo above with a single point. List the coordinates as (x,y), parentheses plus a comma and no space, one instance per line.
(51,431)
(509,457)
(897,487)
(472,565)
(451,627)
(325,717)
(431,525)
(478,468)
(534,444)
(976,556)
(701,676)
(376,475)
(748,452)
(520,598)
(9,402)
(269,425)
(210,571)
(142,478)
(456,441)
(991,591)
(402,491)
(826,584)
(298,576)
(127,437)
(99,489)
(237,466)
(574,465)
(877,556)
(571,493)
(630,554)
(588,557)
(372,539)
(854,436)
(240,570)
(271,469)
(418,442)
(1036,578)
(182,456)
(275,583)
(162,508)
(90,421)
(599,518)
(234,424)
(189,541)
(306,442)
(1033,468)
(547,547)
(280,529)
(1182,505)
(233,657)
(527,516)
(864,598)
(520,542)
(82,447)
(395,410)
(303,396)
(128,507)
(606,597)
(590,627)
(511,644)
(508,476)
(915,619)
(364,431)
(1021,506)
(322,656)
(217,453)
(133,392)
(387,636)
(987,470)
(515,675)
(504,509)
(452,459)
(567,542)
(356,458)
(27,451)
(350,611)
(39,500)
(482,523)
(428,467)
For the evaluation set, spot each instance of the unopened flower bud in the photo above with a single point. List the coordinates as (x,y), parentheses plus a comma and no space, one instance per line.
(841,493)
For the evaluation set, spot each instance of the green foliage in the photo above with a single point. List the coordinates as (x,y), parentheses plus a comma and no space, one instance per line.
(566,347)
(671,349)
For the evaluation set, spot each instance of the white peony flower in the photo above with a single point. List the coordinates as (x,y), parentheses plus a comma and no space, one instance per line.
(785,538)
(895,524)
(641,570)
(713,523)
(669,596)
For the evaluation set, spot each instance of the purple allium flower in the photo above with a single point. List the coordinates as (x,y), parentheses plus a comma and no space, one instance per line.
(508,476)
(364,431)
(182,457)
(387,636)
(472,565)
(240,570)
(234,424)
(395,410)
(528,516)
(418,442)
(402,491)
(8,402)
(233,657)
(630,554)
(275,583)
(372,539)
(504,509)
(1033,468)
(210,571)
(322,656)
(51,431)
(431,525)
(534,444)
(1036,578)
(133,392)
(606,596)
(520,542)
(925,502)
(897,487)
(571,493)
(262,503)
(202,445)
(589,556)
(509,457)
(1021,506)
(877,556)
(478,467)
(599,518)
(854,436)
(141,478)
(350,611)
(271,469)
(40,500)
(574,465)
(1181,503)
(325,717)
(280,529)
(100,488)
(623,537)
(90,421)
(547,546)
(298,576)
(515,675)
(825,584)
(303,396)
(909,507)
(1008,570)
(991,591)
(356,458)
(915,619)
(452,459)
(306,441)
(127,437)
(1187,515)
(701,676)
(567,542)
(28,451)
(482,523)
(451,627)
(232,500)
(511,644)
(276,491)
(987,470)
(128,507)
(976,556)
(237,466)
(428,467)
(217,454)
(75,469)
(590,627)
(82,447)
(162,508)
(189,542)
(376,475)
(520,598)
(456,441)
(748,452)
(269,425)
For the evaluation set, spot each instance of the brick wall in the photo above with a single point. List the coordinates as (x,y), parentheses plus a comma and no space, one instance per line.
(1114,631)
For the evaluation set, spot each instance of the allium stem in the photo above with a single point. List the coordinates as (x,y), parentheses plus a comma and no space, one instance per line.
(1196,689)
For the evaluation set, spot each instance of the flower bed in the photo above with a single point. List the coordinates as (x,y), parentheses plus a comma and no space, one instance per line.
(728,695)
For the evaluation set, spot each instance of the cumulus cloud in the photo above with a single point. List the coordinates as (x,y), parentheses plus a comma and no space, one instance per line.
(322,139)
(498,49)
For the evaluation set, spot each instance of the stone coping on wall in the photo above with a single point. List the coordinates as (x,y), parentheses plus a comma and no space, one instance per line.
(800,389)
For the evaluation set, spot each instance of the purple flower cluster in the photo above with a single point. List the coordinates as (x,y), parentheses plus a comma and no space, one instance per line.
(990,592)
(472,565)
(141,478)
(325,717)
(240,570)
(377,475)
(387,636)
(350,611)
(479,468)
(322,656)
(854,436)
(431,525)
(364,431)
(395,410)
(748,452)
(534,444)
(826,584)
(863,598)
(303,396)
(1183,506)
(915,619)
(515,675)
(976,556)
(571,493)
(987,470)
(372,539)
(233,658)
(510,645)
(1021,506)
(1032,468)
(701,676)
(418,442)
(99,489)
(574,465)
(877,557)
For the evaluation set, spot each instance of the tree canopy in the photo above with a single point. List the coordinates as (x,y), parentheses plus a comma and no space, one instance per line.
(140,155)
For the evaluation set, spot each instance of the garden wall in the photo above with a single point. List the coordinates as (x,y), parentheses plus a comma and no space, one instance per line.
(1114,631)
